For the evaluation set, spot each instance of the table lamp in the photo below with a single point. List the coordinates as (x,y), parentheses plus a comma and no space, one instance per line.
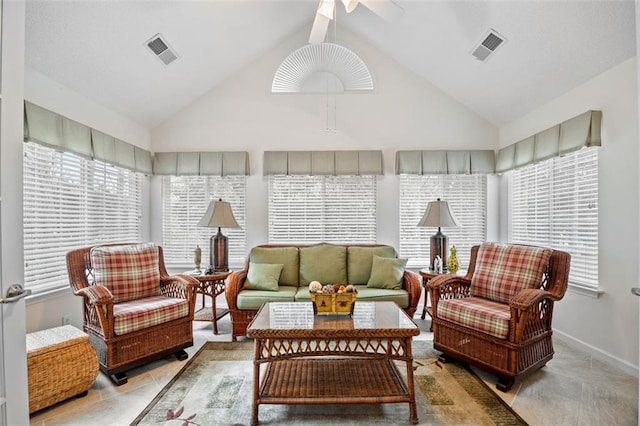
(438,215)
(220,215)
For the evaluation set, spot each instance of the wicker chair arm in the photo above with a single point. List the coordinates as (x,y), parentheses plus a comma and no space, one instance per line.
(234,284)
(411,283)
(447,287)
(526,299)
(449,284)
(179,286)
(96,294)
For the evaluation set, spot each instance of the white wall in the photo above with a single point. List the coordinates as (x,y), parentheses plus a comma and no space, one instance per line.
(404,112)
(607,325)
(47,93)
(47,311)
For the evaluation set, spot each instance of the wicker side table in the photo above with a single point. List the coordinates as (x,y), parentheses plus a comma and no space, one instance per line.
(211,286)
(61,363)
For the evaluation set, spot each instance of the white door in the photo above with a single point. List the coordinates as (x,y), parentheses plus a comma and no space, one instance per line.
(14,409)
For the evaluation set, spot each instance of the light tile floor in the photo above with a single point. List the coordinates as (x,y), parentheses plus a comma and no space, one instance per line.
(572,389)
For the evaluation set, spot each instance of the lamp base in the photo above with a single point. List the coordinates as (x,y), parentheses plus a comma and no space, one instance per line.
(218,253)
(439,246)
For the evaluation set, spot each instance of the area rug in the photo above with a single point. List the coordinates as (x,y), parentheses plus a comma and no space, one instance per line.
(215,388)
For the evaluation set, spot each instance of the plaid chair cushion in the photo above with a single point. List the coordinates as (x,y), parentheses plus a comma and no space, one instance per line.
(502,270)
(142,313)
(128,271)
(478,314)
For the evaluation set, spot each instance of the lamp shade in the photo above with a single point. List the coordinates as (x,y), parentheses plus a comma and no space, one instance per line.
(219,215)
(438,214)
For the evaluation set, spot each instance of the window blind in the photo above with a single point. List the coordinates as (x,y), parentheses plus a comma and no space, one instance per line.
(554,203)
(70,202)
(312,209)
(184,202)
(467,198)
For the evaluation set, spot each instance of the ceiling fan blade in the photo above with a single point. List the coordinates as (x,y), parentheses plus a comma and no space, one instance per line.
(384,8)
(319,29)
(350,5)
(320,25)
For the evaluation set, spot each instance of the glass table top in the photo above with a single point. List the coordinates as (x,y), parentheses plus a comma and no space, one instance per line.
(300,316)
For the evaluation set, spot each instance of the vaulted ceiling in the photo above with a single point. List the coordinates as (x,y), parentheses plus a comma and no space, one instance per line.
(97,48)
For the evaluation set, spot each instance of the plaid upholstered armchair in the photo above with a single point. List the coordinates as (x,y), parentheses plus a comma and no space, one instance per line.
(134,312)
(498,316)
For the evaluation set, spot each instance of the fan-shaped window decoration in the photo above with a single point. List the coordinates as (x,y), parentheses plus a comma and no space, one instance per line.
(322,68)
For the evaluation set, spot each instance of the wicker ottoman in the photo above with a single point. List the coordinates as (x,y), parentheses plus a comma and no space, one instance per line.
(61,363)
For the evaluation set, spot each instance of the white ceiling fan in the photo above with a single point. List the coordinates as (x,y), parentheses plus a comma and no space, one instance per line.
(386,9)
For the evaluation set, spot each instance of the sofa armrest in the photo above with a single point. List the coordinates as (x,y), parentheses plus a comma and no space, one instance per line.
(234,284)
(96,294)
(411,283)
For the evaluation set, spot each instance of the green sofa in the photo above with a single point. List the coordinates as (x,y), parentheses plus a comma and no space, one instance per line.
(282,273)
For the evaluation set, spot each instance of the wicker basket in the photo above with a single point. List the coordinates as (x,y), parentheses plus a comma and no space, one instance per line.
(60,364)
(333,303)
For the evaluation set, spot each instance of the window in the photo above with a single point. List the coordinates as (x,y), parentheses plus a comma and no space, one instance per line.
(184,201)
(71,202)
(311,209)
(467,198)
(554,203)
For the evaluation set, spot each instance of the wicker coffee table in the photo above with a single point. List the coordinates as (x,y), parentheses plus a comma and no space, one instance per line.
(301,358)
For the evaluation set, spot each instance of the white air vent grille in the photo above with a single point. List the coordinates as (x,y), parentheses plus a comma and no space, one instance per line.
(160,48)
(488,45)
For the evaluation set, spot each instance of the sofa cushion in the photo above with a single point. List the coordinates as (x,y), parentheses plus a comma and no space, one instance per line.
(253,299)
(387,273)
(503,270)
(287,256)
(263,276)
(401,297)
(479,314)
(360,260)
(326,263)
(137,314)
(128,271)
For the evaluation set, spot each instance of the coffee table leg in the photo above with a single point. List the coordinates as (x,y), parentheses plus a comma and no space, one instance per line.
(413,412)
(256,383)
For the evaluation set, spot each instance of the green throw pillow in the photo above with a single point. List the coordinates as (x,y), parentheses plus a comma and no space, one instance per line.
(263,276)
(387,272)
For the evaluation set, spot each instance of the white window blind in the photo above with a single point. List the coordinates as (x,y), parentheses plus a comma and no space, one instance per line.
(184,201)
(71,202)
(554,203)
(467,198)
(311,209)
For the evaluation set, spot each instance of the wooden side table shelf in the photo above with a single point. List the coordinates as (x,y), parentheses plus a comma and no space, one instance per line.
(212,286)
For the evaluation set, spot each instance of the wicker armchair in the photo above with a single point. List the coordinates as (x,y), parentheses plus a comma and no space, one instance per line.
(507,329)
(132,328)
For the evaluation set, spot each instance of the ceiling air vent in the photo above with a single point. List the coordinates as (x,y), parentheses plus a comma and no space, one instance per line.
(488,45)
(160,48)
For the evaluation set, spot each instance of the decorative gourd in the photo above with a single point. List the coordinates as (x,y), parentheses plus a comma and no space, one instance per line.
(452,262)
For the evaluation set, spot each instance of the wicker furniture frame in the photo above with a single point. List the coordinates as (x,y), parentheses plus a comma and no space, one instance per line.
(528,345)
(211,286)
(119,353)
(240,318)
(331,359)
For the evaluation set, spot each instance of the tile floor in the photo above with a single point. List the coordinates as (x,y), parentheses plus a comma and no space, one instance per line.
(572,389)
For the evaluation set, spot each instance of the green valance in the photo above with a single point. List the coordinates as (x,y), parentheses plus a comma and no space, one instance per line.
(579,132)
(322,163)
(445,162)
(56,131)
(201,163)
